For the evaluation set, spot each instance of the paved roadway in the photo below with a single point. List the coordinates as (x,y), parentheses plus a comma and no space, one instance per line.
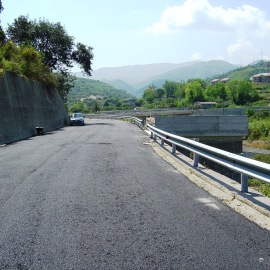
(98,197)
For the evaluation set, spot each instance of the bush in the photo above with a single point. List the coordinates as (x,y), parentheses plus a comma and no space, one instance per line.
(26,62)
(262,187)
(259,125)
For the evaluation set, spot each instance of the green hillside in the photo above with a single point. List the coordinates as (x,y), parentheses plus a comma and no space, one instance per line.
(200,70)
(90,96)
(85,88)
(246,72)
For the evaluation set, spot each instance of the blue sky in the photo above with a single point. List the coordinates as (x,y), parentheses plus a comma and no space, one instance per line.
(138,32)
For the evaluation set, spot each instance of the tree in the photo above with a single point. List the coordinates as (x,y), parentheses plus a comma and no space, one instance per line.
(2,33)
(215,92)
(241,92)
(1,6)
(194,91)
(56,46)
(25,61)
(169,88)
(149,94)
(159,93)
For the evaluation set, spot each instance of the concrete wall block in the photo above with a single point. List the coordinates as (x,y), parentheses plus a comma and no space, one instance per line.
(25,105)
(204,126)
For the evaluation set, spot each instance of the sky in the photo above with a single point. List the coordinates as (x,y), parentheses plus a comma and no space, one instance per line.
(139,32)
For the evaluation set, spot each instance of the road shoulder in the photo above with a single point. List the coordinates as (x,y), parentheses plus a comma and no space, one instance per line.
(252,205)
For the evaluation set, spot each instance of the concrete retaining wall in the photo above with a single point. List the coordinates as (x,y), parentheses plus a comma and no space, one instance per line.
(220,131)
(204,126)
(25,105)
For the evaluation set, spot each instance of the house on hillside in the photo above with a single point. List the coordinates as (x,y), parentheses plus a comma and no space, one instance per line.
(214,81)
(130,101)
(224,80)
(261,78)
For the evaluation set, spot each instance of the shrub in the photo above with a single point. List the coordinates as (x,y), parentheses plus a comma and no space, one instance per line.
(25,61)
(262,187)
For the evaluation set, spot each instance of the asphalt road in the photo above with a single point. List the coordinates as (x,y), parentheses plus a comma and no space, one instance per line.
(98,197)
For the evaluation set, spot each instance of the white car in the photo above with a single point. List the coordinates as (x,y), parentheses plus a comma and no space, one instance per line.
(76,119)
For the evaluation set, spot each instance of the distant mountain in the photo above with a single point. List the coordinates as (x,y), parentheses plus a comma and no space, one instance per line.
(135,79)
(202,70)
(135,74)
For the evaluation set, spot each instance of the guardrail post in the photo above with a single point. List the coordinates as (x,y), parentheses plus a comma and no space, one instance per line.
(155,137)
(195,156)
(173,148)
(162,141)
(244,179)
(195,160)
(244,183)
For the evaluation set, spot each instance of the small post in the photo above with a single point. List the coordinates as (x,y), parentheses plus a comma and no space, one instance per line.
(195,160)
(244,183)
(162,141)
(244,179)
(195,156)
(173,148)
(155,137)
(151,136)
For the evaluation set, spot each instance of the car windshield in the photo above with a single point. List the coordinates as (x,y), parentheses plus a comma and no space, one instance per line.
(77,115)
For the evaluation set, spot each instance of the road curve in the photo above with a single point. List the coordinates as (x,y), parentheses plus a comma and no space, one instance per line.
(98,197)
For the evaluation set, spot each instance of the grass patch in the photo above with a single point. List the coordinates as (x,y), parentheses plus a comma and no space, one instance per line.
(262,187)
(257,144)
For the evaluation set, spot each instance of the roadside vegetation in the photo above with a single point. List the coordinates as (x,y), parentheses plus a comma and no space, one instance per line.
(42,51)
(91,96)
(188,94)
(261,186)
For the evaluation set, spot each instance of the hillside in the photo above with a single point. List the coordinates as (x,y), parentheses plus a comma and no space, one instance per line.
(85,88)
(135,79)
(246,72)
(134,75)
(200,70)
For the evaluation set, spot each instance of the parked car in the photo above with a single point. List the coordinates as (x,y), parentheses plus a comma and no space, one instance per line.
(76,119)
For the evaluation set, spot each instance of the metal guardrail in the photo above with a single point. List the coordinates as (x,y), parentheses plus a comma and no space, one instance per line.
(135,120)
(245,166)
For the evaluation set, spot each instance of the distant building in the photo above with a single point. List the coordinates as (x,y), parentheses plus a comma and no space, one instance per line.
(261,78)
(214,81)
(130,101)
(207,105)
(224,80)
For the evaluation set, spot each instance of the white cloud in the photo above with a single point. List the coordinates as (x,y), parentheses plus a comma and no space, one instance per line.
(200,14)
(196,56)
(242,51)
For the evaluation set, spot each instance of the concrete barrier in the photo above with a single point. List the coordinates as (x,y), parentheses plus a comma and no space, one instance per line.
(220,131)
(26,105)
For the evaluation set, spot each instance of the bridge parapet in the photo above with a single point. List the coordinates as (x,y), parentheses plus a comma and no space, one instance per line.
(222,132)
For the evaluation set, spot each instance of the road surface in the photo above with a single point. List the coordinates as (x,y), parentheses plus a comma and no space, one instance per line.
(98,197)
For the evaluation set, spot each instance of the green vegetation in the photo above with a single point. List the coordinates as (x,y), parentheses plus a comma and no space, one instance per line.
(176,94)
(26,62)
(259,129)
(42,51)
(92,96)
(259,125)
(246,72)
(262,187)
